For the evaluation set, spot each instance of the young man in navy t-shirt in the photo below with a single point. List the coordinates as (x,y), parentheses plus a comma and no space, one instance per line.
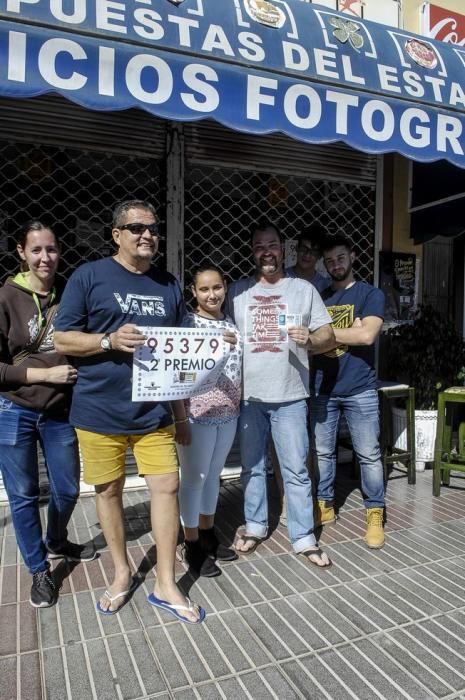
(344,382)
(101,309)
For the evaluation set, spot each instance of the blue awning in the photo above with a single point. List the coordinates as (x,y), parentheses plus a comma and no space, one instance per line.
(257,66)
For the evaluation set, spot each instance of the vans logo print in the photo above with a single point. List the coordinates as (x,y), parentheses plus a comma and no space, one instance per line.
(141,305)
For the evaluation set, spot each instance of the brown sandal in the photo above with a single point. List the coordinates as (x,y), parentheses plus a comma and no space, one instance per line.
(248,538)
(308,553)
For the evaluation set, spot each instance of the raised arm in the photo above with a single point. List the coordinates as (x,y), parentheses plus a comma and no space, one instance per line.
(80,344)
(362,332)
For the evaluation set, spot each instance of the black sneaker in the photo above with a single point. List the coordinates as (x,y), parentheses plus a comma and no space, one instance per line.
(200,562)
(218,550)
(43,590)
(73,552)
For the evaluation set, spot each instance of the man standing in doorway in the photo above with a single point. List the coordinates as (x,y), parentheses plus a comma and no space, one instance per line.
(281,319)
(344,382)
(103,304)
(308,250)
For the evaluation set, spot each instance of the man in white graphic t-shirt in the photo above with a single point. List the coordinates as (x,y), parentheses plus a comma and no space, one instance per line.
(282,319)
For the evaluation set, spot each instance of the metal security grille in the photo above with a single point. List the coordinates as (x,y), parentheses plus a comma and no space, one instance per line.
(72,190)
(222,204)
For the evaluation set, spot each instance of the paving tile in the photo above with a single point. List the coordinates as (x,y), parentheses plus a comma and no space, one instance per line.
(8,676)
(228,644)
(391,595)
(168,657)
(269,683)
(104,676)
(288,635)
(308,573)
(68,621)
(29,675)
(77,668)
(28,640)
(49,629)
(417,596)
(250,644)
(337,599)
(194,668)
(268,573)
(359,561)
(25,582)
(271,639)
(212,595)
(145,663)
(348,675)
(8,588)
(213,657)
(301,679)
(10,554)
(319,668)
(254,585)
(296,576)
(8,638)
(334,628)
(55,679)
(294,612)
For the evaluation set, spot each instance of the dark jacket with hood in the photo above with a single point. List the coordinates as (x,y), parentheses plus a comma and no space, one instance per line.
(23,314)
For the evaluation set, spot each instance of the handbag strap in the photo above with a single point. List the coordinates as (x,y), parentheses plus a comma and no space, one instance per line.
(36,343)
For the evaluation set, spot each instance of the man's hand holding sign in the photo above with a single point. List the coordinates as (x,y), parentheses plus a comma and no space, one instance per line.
(175,363)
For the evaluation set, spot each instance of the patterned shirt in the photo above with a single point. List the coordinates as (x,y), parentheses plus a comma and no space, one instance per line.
(221,404)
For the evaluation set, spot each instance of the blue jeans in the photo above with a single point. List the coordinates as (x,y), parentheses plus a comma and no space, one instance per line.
(288,425)
(20,429)
(362,416)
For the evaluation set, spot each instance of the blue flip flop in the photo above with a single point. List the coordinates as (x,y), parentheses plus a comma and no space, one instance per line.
(124,594)
(173,609)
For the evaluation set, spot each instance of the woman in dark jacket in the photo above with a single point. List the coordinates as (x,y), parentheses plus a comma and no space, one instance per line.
(35,391)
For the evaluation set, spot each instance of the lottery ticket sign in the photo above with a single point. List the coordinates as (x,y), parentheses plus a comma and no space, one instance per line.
(175,363)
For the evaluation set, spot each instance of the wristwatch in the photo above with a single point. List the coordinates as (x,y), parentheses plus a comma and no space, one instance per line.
(105,342)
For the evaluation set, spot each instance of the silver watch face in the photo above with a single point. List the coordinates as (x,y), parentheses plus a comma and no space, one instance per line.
(105,343)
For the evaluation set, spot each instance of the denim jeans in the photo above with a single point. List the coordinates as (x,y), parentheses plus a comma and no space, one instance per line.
(288,425)
(20,429)
(362,416)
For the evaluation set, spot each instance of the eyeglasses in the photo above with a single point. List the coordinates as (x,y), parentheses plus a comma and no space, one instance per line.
(139,229)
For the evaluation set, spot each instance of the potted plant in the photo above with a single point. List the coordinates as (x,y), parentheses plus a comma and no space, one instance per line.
(429,355)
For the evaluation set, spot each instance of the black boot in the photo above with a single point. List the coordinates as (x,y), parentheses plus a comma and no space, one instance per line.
(200,562)
(210,544)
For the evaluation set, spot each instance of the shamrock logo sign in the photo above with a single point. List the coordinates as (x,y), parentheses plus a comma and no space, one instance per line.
(345,30)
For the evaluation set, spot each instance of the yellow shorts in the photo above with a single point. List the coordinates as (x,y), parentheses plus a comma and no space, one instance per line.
(104,456)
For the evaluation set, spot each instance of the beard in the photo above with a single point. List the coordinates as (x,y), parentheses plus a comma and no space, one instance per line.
(342,275)
(269,267)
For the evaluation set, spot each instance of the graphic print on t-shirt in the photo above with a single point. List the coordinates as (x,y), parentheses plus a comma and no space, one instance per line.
(262,327)
(342,316)
(141,305)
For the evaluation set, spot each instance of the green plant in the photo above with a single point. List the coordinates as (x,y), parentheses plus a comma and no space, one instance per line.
(428,354)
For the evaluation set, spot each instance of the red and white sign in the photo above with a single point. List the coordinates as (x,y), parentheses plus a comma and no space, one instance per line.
(443,25)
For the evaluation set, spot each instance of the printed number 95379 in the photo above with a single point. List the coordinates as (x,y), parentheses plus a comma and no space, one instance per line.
(186,345)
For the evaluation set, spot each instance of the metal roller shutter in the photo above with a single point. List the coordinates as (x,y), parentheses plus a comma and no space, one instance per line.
(208,142)
(58,122)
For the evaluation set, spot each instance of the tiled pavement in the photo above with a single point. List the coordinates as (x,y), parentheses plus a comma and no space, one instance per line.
(378,624)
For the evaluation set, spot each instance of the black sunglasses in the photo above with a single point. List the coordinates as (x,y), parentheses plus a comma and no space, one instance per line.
(139,229)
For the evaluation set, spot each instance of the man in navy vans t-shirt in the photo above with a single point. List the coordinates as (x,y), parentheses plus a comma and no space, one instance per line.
(344,382)
(101,309)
